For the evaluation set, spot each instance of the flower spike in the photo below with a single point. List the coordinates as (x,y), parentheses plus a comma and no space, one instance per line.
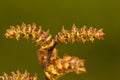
(18,76)
(42,38)
(81,35)
(60,66)
(54,66)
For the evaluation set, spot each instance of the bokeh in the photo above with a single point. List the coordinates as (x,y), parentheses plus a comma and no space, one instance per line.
(102,57)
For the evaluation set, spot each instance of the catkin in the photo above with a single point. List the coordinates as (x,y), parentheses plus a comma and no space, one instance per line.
(42,38)
(60,66)
(18,76)
(81,35)
(54,66)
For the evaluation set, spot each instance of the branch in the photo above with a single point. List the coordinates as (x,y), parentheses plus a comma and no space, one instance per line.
(48,59)
(54,66)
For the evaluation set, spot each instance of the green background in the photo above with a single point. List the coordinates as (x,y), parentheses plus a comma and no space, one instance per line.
(102,57)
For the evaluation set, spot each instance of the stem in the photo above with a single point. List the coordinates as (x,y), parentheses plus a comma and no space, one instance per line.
(48,60)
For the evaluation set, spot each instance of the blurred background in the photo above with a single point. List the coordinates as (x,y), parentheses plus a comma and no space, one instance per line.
(102,57)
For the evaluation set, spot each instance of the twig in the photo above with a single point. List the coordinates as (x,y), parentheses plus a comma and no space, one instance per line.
(48,59)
